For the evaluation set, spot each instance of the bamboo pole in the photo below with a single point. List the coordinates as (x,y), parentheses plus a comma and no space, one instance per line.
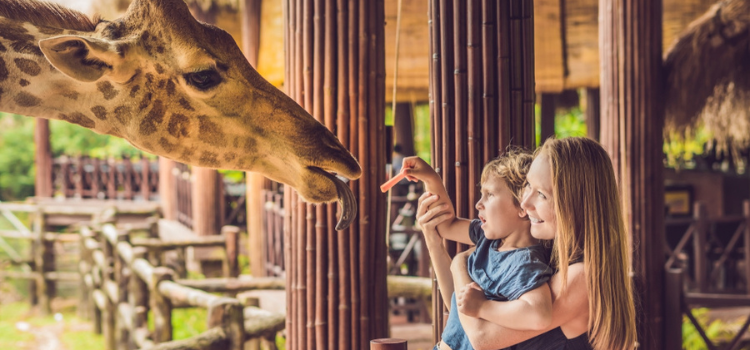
(344,330)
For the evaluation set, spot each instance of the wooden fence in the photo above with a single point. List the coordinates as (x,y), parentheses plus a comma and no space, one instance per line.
(84,177)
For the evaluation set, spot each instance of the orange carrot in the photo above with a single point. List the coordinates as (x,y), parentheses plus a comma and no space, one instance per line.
(392,182)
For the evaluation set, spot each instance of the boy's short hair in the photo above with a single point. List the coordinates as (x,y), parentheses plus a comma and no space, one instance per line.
(511,166)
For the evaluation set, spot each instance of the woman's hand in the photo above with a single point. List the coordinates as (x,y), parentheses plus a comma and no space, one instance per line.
(430,213)
(470,299)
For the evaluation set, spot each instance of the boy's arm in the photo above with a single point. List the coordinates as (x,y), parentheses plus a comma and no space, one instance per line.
(453,229)
(532,311)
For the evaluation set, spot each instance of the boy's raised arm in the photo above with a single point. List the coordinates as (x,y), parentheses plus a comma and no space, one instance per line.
(453,229)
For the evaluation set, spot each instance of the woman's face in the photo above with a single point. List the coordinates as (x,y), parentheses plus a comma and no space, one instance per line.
(499,214)
(537,199)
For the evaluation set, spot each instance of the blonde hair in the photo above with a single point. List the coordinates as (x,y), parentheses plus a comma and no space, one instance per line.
(512,167)
(591,226)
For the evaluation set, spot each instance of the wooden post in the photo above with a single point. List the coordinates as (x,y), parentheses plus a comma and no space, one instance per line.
(206,204)
(167,188)
(251,344)
(110,308)
(673,310)
(547,117)
(746,247)
(403,126)
(161,307)
(84,268)
(699,246)
(122,275)
(632,122)
(593,112)
(227,313)
(139,295)
(43,159)
(232,236)
(43,254)
(388,344)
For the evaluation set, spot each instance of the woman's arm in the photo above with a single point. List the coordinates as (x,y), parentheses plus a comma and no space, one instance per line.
(533,312)
(566,307)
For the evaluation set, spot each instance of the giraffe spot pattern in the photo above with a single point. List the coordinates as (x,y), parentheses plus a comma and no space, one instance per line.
(160,49)
(210,132)
(14,31)
(159,68)
(25,99)
(154,117)
(149,79)
(121,113)
(107,89)
(26,47)
(161,84)
(178,125)
(184,103)
(230,156)
(236,142)
(3,70)
(114,30)
(170,87)
(145,42)
(166,145)
(251,146)
(187,154)
(145,102)
(73,95)
(134,90)
(28,66)
(2,48)
(78,118)
(100,112)
(208,159)
(24,82)
(49,30)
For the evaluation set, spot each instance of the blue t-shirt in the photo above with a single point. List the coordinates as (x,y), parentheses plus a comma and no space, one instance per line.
(502,275)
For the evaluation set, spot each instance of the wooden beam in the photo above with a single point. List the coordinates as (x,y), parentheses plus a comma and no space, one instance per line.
(548,46)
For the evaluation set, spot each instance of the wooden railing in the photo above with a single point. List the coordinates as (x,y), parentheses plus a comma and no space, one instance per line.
(122,286)
(83,177)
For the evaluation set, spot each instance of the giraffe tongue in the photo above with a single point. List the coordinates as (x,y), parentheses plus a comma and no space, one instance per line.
(348,204)
(346,200)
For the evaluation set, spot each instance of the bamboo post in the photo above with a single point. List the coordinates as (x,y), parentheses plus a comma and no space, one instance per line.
(388,344)
(227,313)
(593,112)
(231,249)
(161,307)
(547,116)
(632,123)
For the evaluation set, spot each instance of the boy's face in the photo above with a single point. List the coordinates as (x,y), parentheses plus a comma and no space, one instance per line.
(500,216)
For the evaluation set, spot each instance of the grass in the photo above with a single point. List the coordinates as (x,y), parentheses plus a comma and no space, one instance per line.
(74,333)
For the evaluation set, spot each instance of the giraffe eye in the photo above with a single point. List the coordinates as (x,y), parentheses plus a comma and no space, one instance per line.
(203,80)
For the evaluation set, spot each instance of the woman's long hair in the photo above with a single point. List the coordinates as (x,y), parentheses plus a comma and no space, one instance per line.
(591,226)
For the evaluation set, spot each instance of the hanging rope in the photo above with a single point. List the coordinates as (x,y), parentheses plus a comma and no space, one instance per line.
(393,113)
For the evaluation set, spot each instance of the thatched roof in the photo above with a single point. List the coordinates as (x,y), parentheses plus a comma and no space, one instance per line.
(707,73)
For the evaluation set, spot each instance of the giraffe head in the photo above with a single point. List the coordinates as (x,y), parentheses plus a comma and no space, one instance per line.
(182,89)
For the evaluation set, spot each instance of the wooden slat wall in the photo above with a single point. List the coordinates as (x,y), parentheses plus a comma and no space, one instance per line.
(337,279)
(632,120)
(481,95)
(548,52)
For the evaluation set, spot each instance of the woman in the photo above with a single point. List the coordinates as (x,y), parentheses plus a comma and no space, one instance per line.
(571,197)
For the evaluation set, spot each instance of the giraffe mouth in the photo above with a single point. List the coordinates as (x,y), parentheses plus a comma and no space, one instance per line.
(346,198)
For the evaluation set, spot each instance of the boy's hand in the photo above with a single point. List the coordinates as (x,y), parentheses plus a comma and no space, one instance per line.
(430,213)
(470,299)
(417,169)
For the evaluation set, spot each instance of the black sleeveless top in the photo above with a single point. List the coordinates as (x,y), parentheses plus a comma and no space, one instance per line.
(554,340)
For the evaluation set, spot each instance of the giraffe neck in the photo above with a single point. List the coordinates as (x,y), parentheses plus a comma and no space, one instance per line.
(30,85)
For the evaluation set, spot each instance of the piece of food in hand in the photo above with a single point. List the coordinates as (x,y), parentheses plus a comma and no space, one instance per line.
(392,182)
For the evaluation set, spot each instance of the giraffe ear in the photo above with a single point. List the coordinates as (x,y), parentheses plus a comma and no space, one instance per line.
(81,58)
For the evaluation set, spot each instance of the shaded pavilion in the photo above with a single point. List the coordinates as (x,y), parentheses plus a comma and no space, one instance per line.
(485,63)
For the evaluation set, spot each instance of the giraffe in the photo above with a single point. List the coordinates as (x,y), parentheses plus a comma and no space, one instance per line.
(171,86)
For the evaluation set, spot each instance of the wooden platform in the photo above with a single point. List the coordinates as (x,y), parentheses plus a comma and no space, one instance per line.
(67,212)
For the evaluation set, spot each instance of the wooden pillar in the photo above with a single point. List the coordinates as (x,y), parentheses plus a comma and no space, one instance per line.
(593,112)
(336,69)
(251,15)
(167,188)
(403,128)
(205,188)
(43,159)
(547,118)
(632,120)
(482,95)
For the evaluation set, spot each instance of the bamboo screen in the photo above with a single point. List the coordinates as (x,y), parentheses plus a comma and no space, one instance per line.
(481,95)
(336,280)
